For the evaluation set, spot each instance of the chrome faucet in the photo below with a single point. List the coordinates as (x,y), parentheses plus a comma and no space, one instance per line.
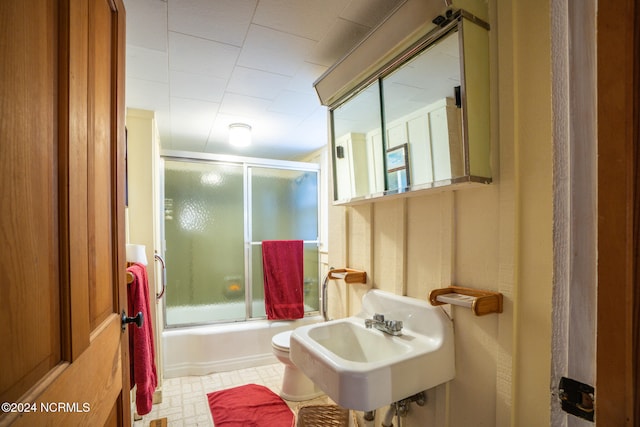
(391,327)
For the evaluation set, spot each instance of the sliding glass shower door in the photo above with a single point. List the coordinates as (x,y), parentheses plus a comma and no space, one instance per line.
(216,214)
(283,206)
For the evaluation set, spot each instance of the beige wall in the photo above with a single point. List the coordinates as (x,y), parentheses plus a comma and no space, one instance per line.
(497,237)
(141,225)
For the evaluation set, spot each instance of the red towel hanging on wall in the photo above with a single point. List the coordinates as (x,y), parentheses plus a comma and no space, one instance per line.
(141,346)
(282,263)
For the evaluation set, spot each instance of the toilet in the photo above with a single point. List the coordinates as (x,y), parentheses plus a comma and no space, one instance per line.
(295,385)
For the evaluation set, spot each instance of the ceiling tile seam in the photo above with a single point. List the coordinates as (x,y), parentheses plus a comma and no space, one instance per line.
(270,100)
(253,16)
(284,32)
(262,70)
(144,48)
(161,82)
(244,39)
(208,39)
(235,65)
(184,98)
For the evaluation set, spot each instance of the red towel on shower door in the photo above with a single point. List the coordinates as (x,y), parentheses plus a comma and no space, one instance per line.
(282,263)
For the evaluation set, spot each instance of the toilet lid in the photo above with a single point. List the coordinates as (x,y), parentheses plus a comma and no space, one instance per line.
(281,340)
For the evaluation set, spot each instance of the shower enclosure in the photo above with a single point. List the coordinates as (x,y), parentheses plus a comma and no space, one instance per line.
(217,212)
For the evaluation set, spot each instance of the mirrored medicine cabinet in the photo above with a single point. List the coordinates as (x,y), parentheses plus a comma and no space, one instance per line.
(419,122)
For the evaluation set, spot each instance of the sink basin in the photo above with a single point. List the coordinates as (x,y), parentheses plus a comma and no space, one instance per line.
(366,369)
(356,342)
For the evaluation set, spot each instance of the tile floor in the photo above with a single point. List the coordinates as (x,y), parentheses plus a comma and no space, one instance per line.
(184,399)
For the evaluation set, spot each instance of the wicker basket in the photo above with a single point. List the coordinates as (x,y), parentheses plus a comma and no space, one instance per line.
(323,416)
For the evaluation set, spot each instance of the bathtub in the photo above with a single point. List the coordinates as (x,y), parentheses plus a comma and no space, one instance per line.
(201,350)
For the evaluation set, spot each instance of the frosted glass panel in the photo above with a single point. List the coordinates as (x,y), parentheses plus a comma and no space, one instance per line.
(284,204)
(257,281)
(204,233)
(311,275)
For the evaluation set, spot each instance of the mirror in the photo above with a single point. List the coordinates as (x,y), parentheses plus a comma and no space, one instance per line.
(357,145)
(421,122)
(422,115)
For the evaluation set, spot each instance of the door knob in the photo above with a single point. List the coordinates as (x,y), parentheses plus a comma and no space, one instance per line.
(138,320)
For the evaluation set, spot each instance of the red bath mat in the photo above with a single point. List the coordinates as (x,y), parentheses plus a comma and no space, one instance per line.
(249,405)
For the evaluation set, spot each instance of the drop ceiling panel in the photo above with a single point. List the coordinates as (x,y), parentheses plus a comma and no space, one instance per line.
(191,120)
(304,78)
(200,56)
(147,95)
(225,21)
(306,18)
(197,86)
(202,64)
(257,83)
(147,24)
(338,41)
(274,51)
(147,64)
(277,128)
(314,127)
(295,103)
(244,108)
(368,12)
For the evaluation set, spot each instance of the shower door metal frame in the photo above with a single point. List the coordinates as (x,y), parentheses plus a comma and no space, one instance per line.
(247,163)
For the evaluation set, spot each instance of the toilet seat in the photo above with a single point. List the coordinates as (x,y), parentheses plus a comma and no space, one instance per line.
(281,341)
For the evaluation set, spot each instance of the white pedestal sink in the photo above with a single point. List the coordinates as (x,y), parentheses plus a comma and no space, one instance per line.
(364,368)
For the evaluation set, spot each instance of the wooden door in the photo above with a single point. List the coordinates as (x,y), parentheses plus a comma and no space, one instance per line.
(61,224)
(618,336)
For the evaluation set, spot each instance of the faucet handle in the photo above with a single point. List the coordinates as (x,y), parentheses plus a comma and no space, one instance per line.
(378,317)
(394,325)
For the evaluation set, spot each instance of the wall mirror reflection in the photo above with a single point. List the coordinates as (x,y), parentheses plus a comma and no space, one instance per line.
(422,109)
(429,106)
(398,174)
(357,145)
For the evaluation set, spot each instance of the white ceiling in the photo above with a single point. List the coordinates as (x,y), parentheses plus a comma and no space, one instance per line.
(203,64)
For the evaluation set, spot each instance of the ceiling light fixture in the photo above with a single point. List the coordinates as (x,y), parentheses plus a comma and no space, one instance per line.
(239,134)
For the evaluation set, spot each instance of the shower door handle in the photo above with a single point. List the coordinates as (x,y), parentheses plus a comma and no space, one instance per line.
(164,275)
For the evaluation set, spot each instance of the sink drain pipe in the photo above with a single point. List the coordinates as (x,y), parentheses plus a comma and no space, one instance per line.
(387,421)
(401,408)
